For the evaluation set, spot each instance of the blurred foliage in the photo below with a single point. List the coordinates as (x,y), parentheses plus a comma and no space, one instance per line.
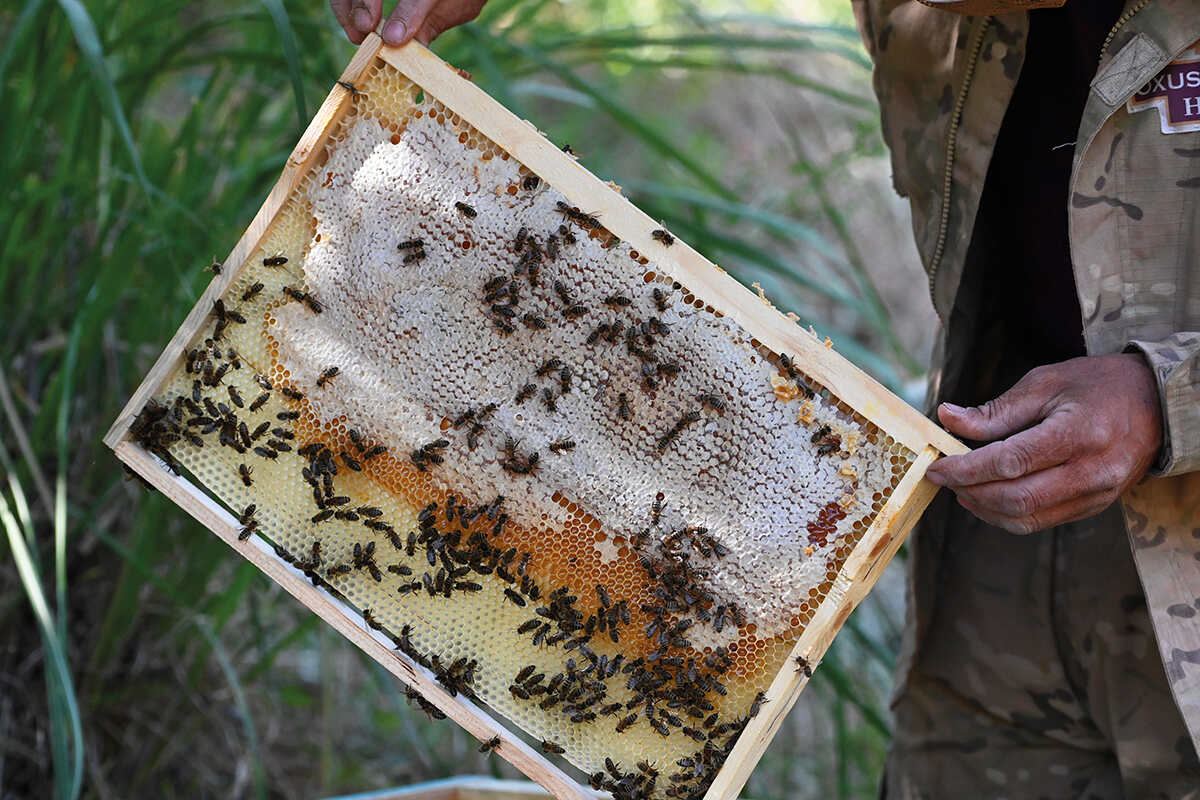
(138,140)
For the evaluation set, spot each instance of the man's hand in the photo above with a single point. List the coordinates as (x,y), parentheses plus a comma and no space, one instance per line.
(423,20)
(1078,434)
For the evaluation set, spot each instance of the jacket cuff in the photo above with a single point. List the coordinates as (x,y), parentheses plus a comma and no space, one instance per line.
(1175,362)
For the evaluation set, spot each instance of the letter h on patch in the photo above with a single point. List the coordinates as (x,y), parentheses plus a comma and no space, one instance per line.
(1175,92)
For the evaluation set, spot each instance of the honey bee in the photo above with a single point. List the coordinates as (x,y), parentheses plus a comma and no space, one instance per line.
(552,247)
(247,530)
(527,391)
(274,261)
(515,597)
(350,87)
(617,301)
(623,410)
(377,450)
(215,267)
(327,376)
(252,292)
(564,377)
(369,618)
(260,401)
(414,256)
(411,244)
(519,241)
(245,473)
(562,446)
(503,325)
(265,453)
(350,462)
(491,744)
(235,396)
(291,393)
(712,401)
(550,365)
(550,747)
(529,625)
(473,436)
(802,665)
(756,705)
(531,182)
(574,311)
(465,210)
(534,322)
(518,691)
(549,401)
(662,236)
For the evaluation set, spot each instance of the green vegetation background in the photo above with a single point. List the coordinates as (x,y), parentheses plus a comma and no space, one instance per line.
(138,656)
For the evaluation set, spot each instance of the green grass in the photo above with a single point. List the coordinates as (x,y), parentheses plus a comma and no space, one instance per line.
(139,139)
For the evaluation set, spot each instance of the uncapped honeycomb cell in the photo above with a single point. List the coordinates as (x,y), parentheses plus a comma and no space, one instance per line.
(553,475)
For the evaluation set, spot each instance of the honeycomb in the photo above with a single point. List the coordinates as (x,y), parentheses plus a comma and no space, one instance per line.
(554,476)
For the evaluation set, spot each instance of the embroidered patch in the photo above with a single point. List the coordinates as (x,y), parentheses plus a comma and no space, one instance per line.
(1175,92)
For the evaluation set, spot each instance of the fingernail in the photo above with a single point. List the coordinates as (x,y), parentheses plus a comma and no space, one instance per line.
(953,409)
(394,32)
(935,478)
(362,19)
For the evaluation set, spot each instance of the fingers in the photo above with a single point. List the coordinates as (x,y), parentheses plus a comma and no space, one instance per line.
(1055,440)
(1075,509)
(1019,407)
(357,17)
(406,20)
(1037,492)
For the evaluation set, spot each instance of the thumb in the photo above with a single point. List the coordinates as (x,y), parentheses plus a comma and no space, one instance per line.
(1020,407)
(405,20)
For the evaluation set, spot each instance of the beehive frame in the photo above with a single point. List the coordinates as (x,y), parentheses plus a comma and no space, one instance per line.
(773,330)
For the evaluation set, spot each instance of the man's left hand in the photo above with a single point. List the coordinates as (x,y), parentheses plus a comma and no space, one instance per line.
(1066,441)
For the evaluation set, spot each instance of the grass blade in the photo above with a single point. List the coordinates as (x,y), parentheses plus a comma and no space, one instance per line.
(291,52)
(65,724)
(60,483)
(89,45)
(17,33)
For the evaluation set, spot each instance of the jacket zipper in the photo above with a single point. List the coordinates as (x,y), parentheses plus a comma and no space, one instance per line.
(1121,22)
(951,144)
(952,137)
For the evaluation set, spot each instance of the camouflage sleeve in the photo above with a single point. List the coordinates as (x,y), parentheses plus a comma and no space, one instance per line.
(1175,362)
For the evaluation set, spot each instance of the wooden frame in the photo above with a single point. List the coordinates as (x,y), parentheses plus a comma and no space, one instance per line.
(464,788)
(858,390)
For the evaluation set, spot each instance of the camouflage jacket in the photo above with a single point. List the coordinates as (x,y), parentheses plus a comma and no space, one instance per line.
(944,81)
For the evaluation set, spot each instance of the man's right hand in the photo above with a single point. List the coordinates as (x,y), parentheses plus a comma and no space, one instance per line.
(423,20)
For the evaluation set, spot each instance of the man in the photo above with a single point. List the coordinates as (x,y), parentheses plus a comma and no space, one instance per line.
(1054,209)
(1052,159)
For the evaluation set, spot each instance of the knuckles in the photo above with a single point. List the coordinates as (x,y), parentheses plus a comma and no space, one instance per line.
(1011,462)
